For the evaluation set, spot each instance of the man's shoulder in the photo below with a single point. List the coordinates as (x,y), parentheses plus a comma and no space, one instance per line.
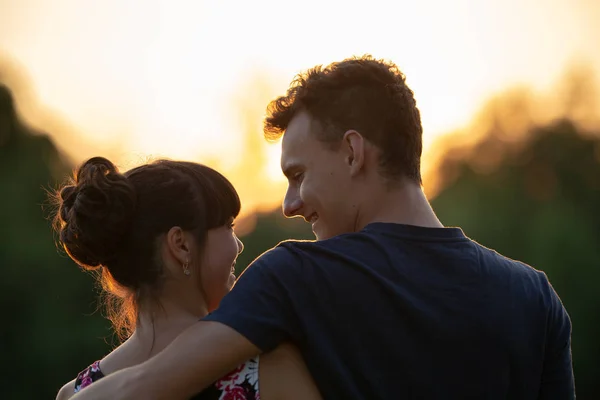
(501,266)
(320,250)
(286,253)
(503,262)
(295,253)
(273,259)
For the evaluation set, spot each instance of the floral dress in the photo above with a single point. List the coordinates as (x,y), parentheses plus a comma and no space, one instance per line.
(239,384)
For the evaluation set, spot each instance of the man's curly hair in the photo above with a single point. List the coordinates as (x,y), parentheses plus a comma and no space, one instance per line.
(359,93)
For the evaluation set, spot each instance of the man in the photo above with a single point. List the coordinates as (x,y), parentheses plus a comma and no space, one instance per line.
(387,303)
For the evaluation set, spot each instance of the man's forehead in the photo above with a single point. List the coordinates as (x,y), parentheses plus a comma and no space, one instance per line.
(298,131)
(295,139)
(290,156)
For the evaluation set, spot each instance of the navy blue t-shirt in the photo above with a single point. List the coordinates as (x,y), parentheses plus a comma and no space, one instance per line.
(406,312)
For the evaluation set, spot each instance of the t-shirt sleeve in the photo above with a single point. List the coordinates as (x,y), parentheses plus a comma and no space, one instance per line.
(557,377)
(260,305)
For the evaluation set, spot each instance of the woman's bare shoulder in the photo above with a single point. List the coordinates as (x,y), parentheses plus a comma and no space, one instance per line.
(67,391)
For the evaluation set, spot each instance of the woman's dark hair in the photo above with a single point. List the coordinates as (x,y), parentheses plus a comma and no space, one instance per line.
(361,93)
(109,222)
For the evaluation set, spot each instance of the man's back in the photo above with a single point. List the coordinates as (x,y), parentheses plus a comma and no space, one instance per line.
(398,311)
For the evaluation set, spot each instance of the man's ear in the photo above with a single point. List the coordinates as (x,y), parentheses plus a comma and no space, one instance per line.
(178,245)
(354,147)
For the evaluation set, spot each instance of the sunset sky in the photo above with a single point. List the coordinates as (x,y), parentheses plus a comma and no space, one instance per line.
(183,79)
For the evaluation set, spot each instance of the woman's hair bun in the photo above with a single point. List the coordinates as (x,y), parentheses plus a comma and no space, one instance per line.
(95,212)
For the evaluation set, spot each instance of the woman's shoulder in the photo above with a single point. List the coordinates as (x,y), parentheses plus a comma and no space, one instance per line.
(83,379)
(67,391)
(88,376)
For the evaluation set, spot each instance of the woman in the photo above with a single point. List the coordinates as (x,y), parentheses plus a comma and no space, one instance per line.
(160,239)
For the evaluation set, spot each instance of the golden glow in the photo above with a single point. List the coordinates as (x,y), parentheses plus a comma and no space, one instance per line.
(179,78)
(273,167)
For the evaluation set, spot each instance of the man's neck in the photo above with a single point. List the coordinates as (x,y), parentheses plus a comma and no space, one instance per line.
(405,204)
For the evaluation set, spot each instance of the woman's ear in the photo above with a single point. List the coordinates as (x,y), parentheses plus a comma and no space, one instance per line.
(178,245)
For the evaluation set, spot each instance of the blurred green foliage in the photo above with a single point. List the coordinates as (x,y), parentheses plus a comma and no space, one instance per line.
(536,199)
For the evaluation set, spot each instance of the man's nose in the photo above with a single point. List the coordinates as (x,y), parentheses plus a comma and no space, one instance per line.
(292,204)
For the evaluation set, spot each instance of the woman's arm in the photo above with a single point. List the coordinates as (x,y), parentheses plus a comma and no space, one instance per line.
(193,361)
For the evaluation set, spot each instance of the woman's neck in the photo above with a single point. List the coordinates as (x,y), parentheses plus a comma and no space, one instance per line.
(156,328)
